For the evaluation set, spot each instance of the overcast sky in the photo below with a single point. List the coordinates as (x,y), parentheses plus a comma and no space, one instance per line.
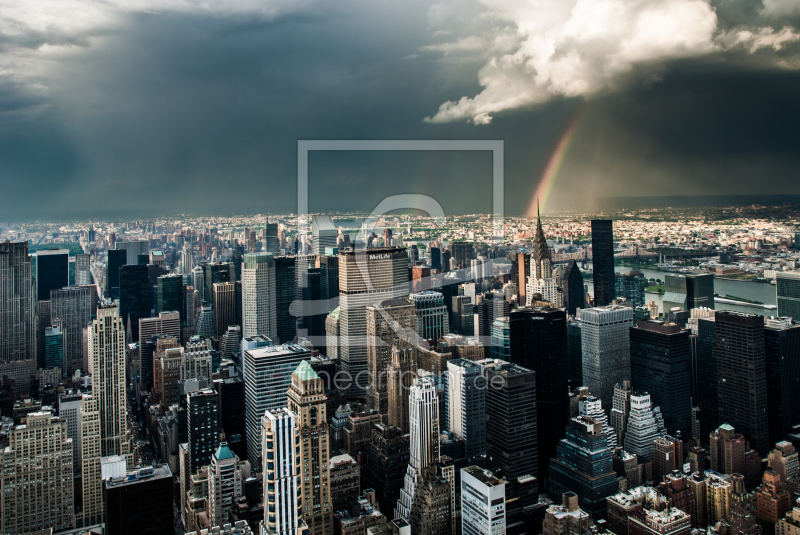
(166,106)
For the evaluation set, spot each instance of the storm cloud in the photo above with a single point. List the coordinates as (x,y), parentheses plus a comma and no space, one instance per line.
(145,108)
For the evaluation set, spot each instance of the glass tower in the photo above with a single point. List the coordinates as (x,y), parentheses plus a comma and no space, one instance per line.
(603,261)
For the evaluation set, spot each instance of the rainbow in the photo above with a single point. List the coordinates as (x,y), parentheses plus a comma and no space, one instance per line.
(550,174)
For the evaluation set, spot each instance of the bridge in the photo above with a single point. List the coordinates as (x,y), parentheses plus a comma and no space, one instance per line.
(585,255)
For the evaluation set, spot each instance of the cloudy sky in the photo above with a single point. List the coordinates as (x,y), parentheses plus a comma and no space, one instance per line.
(144,107)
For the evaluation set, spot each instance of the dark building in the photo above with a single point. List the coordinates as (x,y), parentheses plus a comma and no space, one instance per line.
(511,426)
(742,376)
(285,289)
(153,273)
(492,306)
(115,259)
(436,258)
(688,291)
(572,288)
(140,503)
(388,460)
(230,391)
(574,356)
(224,297)
(142,259)
(706,366)
(169,295)
(603,261)
(329,282)
(313,320)
(523,270)
(202,420)
(538,342)
(661,364)
(135,297)
(215,272)
(146,352)
(52,272)
(782,347)
(445,261)
(461,253)
(583,465)
(631,286)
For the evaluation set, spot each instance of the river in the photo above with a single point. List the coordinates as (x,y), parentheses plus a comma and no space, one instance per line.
(754,291)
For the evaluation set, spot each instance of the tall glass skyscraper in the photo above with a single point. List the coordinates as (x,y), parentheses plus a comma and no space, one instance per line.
(788,291)
(52,272)
(135,296)
(707,375)
(605,345)
(17,315)
(115,259)
(603,261)
(259,305)
(285,291)
(432,320)
(688,291)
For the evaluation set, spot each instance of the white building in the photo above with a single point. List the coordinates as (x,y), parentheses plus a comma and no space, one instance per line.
(593,408)
(466,405)
(83,269)
(281,460)
(258,295)
(541,280)
(225,484)
(483,503)
(605,344)
(186,259)
(323,233)
(134,249)
(424,440)
(645,424)
(196,361)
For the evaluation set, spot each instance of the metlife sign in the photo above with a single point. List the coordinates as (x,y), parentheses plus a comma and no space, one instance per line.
(384,256)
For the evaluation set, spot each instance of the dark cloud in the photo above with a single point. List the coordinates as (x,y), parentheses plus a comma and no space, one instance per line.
(185,113)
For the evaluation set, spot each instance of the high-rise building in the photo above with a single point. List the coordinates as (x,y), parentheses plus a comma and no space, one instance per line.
(258,296)
(115,259)
(281,460)
(83,269)
(621,408)
(285,290)
(400,375)
(37,477)
(707,378)
(667,456)
(483,500)
(71,308)
(493,305)
(203,422)
(267,376)
(541,280)
(169,295)
(187,259)
(742,375)
(164,323)
(17,315)
(661,365)
(91,512)
(423,440)
(306,399)
(224,306)
(391,324)
(511,425)
(787,288)
(501,339)
(790,524)
(52,271)
(135,296)
(388,460)
(462,316)
(603,261)
(782,349)
(592,407)
(225,484)
(133,249)
(466,405)
(365,278)
(139,502)
(107,367)
(574,355)
(432,510)
(645,425)
(773,498)
(432,320)
(631,286)
(539,343)
(566,518)
(730,453)
(323,233)
(572,283)
(605,345)
(198,281)
(784,460)
(53,348)
(583,465)
(215,272)
(688,291)
(69,408)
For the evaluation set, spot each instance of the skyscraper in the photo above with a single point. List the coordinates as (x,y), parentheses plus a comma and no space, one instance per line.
(424,439)
(306,399)
(539,343)
(688,291)
(782,348)
(53,348)
(483,500)
(323,233)
(432,320)
(187,259)
(215,272)
(285,292)
(707,378)
(90,454)
(115,259)
(133,249)
(541,279)
(365,278)
(83,273)
(135,296)
(169,295)
(139,502)
(390,324)
(603,261)
(267,376)
(787,288)
(258,296)
(583,465)
(661,365)
(71,308)
(224,307)
(645,424)
(631,286)
(742,374)
(281,459)
(388,460)
(225,484)
(572,288)
(466,405)
(37,477)
(107,366)
(203,422)
(605,345)
(52,271)
(400,375)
